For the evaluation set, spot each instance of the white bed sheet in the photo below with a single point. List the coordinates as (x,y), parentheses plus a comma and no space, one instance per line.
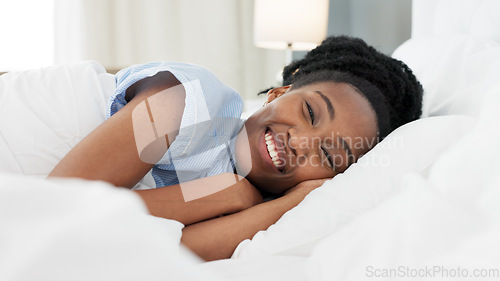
(264,268)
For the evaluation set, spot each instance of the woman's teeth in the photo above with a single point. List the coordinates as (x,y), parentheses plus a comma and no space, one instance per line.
(271,149)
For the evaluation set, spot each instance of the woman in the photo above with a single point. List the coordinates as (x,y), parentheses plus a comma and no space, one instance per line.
(210,170)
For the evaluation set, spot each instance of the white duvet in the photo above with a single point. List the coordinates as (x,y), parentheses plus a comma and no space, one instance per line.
(80,230)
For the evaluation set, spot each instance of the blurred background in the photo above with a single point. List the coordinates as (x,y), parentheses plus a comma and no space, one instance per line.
(218,34)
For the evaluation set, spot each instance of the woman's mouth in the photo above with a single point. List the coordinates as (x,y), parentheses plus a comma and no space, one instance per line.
(275,150)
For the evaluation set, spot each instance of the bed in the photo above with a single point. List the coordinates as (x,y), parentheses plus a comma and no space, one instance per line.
(424,203)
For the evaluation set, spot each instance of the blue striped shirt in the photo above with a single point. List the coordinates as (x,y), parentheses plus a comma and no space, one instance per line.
(210,122)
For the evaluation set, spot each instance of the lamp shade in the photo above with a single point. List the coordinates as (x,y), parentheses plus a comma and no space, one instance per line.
(298,24)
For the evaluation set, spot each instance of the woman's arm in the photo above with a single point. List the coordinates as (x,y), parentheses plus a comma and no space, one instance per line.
(218,238)
(113,153)
(223,194)
(110,153)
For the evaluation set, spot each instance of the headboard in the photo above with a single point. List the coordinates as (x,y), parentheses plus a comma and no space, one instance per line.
(455,53)
(480,18)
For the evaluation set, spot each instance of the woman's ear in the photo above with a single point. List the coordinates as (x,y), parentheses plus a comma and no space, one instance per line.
(276,93)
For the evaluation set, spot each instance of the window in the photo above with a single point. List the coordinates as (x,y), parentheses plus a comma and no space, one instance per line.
(26,34)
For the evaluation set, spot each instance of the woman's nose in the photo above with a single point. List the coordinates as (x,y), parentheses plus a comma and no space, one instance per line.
(301,142)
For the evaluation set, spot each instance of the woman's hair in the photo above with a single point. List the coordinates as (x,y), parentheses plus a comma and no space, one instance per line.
(389,85)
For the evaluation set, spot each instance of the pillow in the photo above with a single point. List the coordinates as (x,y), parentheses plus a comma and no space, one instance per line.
(456,71)
(476,17)
(45,112)
(375,177)
(449,217)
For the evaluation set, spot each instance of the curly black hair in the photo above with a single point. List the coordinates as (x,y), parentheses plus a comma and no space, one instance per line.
(399,92)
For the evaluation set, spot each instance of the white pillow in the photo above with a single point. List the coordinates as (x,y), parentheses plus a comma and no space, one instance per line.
(475,17)
(45,112)
(450,217)
(375,177)
(456,71)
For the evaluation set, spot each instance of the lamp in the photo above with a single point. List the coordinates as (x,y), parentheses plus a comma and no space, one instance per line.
(290,24)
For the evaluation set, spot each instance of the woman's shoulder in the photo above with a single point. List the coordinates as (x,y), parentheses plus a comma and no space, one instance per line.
(183,71)
(188,74)
(201,86)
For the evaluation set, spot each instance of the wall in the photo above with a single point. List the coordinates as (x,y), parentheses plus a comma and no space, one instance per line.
(384,24)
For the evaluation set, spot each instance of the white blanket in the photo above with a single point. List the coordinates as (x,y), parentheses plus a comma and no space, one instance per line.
(82,230)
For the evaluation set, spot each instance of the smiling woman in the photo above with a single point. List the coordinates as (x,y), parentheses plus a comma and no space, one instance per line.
(305,139)
(210,167)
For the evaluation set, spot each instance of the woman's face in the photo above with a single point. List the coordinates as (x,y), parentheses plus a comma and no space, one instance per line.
(312,132)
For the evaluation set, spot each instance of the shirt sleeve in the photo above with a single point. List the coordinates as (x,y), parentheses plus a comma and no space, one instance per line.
(207,99)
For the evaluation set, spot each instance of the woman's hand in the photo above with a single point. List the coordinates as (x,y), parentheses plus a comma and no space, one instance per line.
(201,199)
(218,238)
(246,194)
(303,188)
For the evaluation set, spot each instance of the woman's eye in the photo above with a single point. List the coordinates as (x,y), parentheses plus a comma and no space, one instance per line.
(311,113)
(328,157)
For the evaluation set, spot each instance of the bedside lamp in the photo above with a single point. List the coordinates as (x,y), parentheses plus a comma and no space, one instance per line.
(290,24)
